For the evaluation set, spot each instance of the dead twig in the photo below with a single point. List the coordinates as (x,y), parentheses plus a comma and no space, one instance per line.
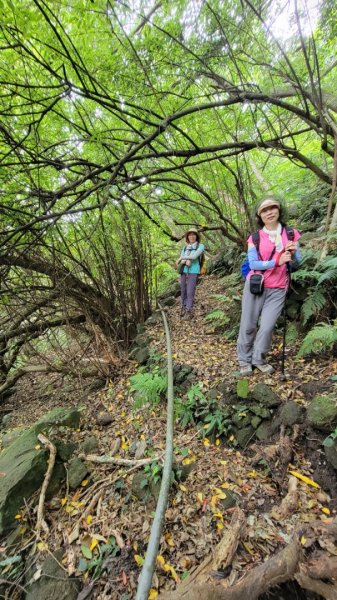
(124,462)
(40,522)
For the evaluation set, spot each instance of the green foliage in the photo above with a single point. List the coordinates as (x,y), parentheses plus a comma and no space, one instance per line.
(196,408)
(320,338)
(148,387)
(152,473)
(93,562)
(314,302)
(330,439)
(216,423)
(217,317)
(185,408)
(242,388)
(11,567)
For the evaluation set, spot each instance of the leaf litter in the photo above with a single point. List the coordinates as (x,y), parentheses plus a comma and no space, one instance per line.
(104,528)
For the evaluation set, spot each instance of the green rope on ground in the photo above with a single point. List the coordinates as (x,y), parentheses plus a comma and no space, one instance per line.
(145,578)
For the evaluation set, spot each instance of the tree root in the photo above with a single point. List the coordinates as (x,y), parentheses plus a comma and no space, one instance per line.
(290,563)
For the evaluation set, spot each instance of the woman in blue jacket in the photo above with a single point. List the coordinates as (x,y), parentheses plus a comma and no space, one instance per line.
(189,257)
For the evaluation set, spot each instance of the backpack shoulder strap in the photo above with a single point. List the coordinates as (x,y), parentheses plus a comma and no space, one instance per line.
(290,233)
(256,242)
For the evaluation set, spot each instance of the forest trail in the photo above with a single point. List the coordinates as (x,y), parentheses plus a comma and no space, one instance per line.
(222,475)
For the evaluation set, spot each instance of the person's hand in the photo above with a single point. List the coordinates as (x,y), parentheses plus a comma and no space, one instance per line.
(188,263)
(290,246)
(285,258)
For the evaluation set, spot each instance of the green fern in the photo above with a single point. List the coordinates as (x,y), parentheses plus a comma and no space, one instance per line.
(148,388)
(313,304)
(218,317)
(322,337)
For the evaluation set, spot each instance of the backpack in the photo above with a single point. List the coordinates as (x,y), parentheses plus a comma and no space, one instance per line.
(202,263)
(245,268)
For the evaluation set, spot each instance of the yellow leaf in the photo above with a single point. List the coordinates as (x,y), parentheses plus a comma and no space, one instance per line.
(221,495)
(139,559)
(64,501)
(161,560)
(217,442)
(252,473)
(232,438)
(304,478)
(326,510)
(169,539)
(18,517)
(124,446)
(219,525)
(182,487)
(84,482)
(223,462)
(69,509)
(225,485)
(42,546)
(89,519)
(218,515)
(169,569)
(214,500)
(152,594)
(142,437)
(206,442)
(93,544)
(200,497)
(37,447)
(303,540)
(187,461)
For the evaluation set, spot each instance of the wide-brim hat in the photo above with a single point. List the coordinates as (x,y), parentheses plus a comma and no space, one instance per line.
(192,230)
(266,203)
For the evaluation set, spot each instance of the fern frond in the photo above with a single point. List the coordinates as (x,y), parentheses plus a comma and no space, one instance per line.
(313,304)
(322,337)
(303,274)
(330,275)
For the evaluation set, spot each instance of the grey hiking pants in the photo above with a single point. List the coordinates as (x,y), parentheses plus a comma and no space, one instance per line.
(252,344)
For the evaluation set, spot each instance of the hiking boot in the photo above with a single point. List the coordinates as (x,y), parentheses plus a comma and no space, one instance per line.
(187,316)
(265,368)
(245,369)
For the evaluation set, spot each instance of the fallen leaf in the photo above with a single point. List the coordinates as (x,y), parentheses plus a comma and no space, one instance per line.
(304,478)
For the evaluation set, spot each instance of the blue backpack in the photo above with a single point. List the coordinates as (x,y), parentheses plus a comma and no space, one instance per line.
(245,268)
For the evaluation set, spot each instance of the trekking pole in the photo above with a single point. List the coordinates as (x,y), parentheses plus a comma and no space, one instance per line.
(285,324)
(284,337)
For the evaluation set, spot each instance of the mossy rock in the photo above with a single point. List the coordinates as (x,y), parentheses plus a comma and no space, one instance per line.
(264,395)
(53,582)
(322,413)
(245,436)
(24,464)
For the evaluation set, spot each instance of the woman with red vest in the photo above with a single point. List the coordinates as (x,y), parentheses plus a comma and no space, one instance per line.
(272,259)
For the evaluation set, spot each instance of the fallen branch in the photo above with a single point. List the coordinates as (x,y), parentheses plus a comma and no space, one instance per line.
(40,522)
(124,462)
(221,557)
(288,564)
(289,503)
